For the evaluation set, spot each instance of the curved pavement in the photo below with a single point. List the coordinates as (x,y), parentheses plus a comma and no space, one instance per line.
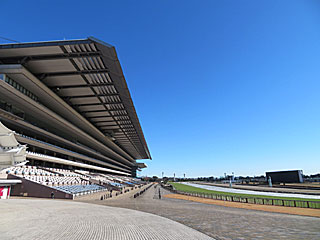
(56,219)
(233,190)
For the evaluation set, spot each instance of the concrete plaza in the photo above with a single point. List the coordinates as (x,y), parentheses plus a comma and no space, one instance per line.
(57,219)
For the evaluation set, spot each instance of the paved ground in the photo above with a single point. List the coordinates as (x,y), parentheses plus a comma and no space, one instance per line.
(223,222)
(242,191)
(56,219)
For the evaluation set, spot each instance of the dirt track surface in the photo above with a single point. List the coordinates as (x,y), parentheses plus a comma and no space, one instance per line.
(222,222)
(267,208)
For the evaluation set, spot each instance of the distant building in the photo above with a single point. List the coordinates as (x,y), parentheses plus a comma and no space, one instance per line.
(294,176)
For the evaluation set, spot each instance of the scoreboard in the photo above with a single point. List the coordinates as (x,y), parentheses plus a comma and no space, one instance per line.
(294,176)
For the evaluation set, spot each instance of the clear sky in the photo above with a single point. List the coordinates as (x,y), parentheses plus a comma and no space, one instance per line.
(219,86)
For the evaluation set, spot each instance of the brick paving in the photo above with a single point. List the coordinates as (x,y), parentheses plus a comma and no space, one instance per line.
(37,219)
(222,222)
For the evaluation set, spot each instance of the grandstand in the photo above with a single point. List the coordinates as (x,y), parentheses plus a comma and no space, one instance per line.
(69,104)
(66,184)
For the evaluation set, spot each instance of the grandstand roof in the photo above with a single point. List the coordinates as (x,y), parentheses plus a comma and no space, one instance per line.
(87,75)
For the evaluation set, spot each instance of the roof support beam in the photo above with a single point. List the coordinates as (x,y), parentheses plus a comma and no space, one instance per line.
(95,104)
(101,111)
(26,59)
(94,111)
(119,115)
(106,127)
(103,121)
(42,76)
(82,85)
(90,96)
(94,117)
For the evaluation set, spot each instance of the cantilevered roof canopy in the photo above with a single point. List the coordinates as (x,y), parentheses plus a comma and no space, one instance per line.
(87,75)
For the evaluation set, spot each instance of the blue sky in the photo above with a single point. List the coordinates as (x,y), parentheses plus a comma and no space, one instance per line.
(219,86)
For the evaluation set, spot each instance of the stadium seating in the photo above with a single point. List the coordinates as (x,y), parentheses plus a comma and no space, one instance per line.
(65,172)
(80,189)
(76,183)
(46,177)
(29,170)
(57,181)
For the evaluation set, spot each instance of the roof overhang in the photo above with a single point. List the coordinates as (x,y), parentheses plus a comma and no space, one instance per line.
(87,75)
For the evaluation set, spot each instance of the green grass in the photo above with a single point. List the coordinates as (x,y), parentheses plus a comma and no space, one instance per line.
(191,189)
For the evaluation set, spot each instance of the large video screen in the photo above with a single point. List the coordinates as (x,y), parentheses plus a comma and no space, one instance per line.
(286,176)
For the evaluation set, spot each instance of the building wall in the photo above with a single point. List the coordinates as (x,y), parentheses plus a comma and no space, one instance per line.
(31,189)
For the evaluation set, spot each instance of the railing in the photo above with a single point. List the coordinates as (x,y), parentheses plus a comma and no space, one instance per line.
(252,200)
(142,191)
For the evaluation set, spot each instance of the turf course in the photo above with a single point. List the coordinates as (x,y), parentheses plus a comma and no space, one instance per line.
(191,189)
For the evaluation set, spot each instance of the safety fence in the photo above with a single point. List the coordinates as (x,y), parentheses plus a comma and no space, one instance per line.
(252,200)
